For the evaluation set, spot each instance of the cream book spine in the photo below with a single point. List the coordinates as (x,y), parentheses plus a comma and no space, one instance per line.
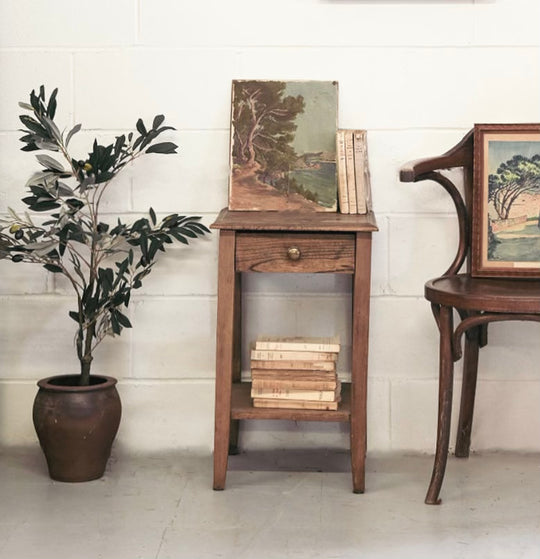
(294,374)
(367,177)
(298,343)
(296,394)
(283,355)
(294,404)
(342,173)
(360,175)
(294,365)
(261,383)
(349,166)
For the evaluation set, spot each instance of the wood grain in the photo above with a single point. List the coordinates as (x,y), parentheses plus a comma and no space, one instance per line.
(261,242)
(478,302)
(294,221)
(268,252)
(242,408)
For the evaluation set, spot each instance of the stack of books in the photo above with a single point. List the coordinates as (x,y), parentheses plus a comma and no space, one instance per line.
(354,184)
(297,373)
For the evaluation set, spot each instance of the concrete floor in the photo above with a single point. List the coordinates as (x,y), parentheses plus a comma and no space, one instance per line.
(159,507)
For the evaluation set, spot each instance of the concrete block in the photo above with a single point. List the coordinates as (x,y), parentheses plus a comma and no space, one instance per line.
(306,24)
(296,284)
(195,180)
(404,339)
(390,150)
(506,416)
(512,353)
(184,270)
(31,24)
(38,340)
(22,278)
(508,22)
(16,401)
(174,338)
(414,405)
(378,419)
(16,167)
(379,257)
(419,73)
(28,70)
(421,248)
(160,416)
(191,88)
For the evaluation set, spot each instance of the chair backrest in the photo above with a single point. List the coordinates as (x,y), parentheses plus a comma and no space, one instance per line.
(461,155)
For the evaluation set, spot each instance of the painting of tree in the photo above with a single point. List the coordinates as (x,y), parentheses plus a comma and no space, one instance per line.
(517,176)
(283,153)
(513,196)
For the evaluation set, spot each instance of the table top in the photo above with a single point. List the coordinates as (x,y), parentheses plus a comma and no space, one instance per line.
(295,221)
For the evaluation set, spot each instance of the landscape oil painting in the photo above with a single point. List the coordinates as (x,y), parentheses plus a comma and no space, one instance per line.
(283,146)
(508,183)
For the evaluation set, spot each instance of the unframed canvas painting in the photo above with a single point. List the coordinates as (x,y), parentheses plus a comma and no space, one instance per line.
(283,145)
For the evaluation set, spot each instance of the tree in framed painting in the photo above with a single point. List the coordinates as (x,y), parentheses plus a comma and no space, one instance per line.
(506,215)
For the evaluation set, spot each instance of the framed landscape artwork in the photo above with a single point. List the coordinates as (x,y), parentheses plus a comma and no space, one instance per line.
(283,145)
(506,211)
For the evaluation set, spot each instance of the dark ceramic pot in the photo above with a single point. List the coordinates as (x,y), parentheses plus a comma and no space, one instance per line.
(76,425)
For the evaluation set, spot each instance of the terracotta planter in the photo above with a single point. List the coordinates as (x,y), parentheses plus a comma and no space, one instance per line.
(76,425)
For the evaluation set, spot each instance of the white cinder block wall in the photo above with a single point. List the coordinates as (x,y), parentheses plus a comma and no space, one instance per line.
(417,75)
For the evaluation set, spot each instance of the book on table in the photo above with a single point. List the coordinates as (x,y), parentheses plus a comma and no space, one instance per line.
(354,184)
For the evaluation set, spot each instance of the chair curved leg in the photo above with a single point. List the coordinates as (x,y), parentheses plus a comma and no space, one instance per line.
(468,392)
(446,377)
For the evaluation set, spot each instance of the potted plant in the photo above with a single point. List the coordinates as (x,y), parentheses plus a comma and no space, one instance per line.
(76,416)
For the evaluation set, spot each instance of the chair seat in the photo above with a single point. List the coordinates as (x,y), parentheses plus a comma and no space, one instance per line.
(485,294)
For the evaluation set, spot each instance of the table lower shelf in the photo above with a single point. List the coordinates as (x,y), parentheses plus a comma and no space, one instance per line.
(242,407)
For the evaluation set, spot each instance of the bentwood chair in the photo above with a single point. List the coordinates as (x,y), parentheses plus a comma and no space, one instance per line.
(478,301)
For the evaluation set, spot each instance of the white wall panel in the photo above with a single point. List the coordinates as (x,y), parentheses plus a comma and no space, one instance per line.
(416,75)
(307,22)
(192,88)
(24,71)
(24,23)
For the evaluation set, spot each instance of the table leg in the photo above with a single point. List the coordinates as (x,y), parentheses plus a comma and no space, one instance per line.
(359,362)
(237,359)
(226,341)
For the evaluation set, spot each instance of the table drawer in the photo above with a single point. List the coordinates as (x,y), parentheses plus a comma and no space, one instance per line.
(295,252)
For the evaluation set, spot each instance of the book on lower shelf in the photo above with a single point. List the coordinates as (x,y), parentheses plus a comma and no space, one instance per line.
(291,380)
(329,366)
(283,355)
(354,183)
(294,404)
(295,372)
(285,393)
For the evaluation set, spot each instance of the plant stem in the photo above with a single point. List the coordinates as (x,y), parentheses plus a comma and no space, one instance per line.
(86,360)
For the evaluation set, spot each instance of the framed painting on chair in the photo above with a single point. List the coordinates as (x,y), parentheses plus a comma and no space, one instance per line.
(506,204)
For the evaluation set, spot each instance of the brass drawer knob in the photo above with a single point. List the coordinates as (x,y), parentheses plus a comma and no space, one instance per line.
(293,253)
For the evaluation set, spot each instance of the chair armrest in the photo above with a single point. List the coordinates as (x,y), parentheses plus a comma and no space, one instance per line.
(461,155)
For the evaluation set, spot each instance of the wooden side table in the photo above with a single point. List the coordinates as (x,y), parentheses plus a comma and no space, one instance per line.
(286,242)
